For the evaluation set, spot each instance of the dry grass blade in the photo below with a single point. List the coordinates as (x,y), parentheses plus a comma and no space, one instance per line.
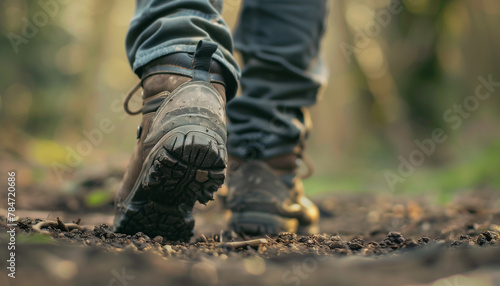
(239,244)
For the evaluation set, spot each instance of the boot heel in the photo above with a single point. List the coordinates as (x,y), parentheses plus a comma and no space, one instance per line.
(187,165)
(193,163)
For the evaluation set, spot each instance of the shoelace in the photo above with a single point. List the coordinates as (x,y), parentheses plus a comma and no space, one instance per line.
(126,101)
(309,166)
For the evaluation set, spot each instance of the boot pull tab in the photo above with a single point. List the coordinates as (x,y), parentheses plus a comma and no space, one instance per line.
(202,60)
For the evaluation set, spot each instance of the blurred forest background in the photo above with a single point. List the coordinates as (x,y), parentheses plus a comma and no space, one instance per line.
(393,74)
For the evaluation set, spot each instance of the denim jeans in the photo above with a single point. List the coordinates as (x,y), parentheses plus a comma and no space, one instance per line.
(279,42)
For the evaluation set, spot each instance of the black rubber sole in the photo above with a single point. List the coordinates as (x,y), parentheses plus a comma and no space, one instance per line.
(260,223)
(187,165)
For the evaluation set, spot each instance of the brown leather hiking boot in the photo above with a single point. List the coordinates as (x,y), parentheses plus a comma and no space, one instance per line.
(267,197)
(180,156)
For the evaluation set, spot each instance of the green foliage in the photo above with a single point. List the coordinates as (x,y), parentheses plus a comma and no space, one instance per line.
(98,198)
(34,238)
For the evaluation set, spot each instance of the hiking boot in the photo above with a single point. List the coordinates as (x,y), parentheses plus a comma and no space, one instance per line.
(180,156)
(267,197)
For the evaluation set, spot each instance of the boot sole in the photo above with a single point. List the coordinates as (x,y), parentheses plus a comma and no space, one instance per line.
(260,223)
(187,165)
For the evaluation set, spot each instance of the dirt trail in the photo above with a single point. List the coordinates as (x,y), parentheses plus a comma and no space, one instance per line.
(371,239)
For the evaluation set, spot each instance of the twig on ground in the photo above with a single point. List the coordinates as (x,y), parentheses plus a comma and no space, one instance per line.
(61,225)
(57,225)
(239,244)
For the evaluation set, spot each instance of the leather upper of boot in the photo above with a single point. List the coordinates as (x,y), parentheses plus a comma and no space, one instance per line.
(271,186)
(161,106)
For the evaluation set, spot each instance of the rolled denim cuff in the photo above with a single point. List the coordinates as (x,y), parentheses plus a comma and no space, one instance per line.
(232,75)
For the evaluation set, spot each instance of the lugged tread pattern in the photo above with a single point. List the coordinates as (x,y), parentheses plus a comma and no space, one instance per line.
(187,167)
(256,229)
(267,224)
